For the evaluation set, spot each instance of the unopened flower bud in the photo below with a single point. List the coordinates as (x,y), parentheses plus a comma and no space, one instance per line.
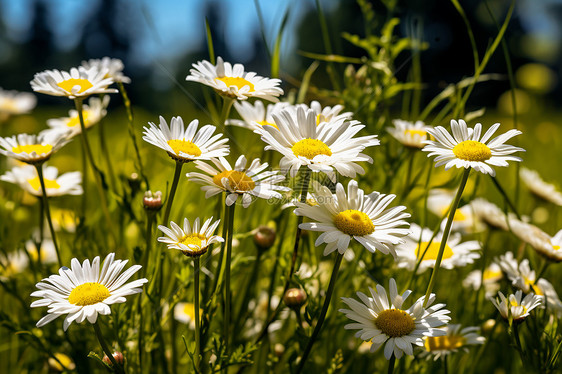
(152,201)
(294,298)
(117,356)
(134,182)
(264,237)
(488,325)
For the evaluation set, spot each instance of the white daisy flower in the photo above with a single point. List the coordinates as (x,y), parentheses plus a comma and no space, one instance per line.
(82,292)
(492,276)
(257,115)
(57,185)
(410,134)
(92,113)
(456,253)
(524,278)
(246,182)
(327,113)
(12,263)
(539,187)
(382,319)
(465,220)
(32,149)
(234,82)
(48,251)
(342,217)
(186,144)
(455,340)
(185,313)
(192,241)
(77,83)
(113,66)
(491,215)
(544,244)
(466,150)
(514,308)
(323,147)
(15,102)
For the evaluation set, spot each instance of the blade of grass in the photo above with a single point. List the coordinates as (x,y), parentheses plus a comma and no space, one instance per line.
(210,46)
(306,81)
(262,28)
(327,45)
(277,48)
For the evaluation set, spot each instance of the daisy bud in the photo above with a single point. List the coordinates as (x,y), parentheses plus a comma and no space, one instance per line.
(117,356)
(152,201)
(134,182)
(294,298)
(264,237)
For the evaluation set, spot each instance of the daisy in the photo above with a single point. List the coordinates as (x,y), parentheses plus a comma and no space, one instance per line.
(61,358)
(492,276)
(465,220)
(32,149)
(491,215)
(514,308)
(113,67)
(382,319)
(92,113)
(327,113)
(539,187)
(78,83)
(186,144)
(185,313)
(466,150)
(12,263)
(246,182)
(257,115)
(410,134)
(456,253)
(192,241)
(84,292)
(523,278)
(357,216)
(15,102)
(233,82)
(48,253)
(323,147)
(456,338)
(57,185)
(541,242)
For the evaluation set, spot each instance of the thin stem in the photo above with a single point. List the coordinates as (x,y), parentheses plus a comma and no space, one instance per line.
(391,363)
(97,172)
(452,211)
(39,168)
(507,199)
(322,316)
(106,154)
(118,368)
(84,184)
(197,264)
(226,106)
(518,342)
(177,173)
(446,364)
(131,129)
(149,223)
(227,296)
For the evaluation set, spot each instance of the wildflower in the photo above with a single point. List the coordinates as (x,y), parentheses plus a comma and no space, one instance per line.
(192,241)
(455,340)
(57,185)
(113,66)
(32,149)
(78,83)
(513,308)
(410,134)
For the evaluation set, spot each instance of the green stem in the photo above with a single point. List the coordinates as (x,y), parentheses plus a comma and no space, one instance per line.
(177,173)
(97,172)
(322,316)
(144,261)
(226,106)
(446,232)
(518,342)
(39,168)
(391,363)
(131,129)
(507,199)
(197,317)
(84,206)
(227,296)
(106,155)
(118,368)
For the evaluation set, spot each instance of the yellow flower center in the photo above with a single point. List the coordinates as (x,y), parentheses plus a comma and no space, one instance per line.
(68,84)
(36,183)
(412,132)
(30,148)
(238,180)
(459,216)
(64,359)
(433,251)
(193,239)
(9,106)
(513,304)
(319,119)
(310,148)
(75,121)
(354,222)
(556,247)
(238,82)
(185,146)
(88,294)
(395,323)
(534,287)
(492,274)
(444,343)
(265,123)
(471,150)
